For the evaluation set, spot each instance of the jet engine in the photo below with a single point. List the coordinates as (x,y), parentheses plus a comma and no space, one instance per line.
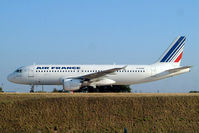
(71,84)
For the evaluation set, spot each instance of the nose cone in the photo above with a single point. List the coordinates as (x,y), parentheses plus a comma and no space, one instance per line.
(10,78)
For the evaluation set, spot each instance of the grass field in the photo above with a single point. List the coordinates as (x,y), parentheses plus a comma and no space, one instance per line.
(138,113)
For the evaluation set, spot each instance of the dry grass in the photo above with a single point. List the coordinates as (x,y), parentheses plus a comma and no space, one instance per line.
(99,112)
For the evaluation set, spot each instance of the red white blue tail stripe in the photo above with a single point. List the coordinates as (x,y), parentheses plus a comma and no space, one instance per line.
(175,51)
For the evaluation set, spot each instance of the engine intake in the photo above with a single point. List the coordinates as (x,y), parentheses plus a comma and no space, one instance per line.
(71,84)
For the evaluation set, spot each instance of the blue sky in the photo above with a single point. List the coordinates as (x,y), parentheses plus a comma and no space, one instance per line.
(98,32)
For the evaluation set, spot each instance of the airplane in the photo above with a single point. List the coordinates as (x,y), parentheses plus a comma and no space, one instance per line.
(74,77)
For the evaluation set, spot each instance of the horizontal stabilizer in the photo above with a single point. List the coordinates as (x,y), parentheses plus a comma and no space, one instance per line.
(172,72)
(178,69)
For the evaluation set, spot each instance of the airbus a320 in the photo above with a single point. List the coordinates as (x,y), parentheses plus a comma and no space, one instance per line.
(73,77)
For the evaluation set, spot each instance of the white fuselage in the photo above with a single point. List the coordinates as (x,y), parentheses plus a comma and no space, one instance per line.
(54,74)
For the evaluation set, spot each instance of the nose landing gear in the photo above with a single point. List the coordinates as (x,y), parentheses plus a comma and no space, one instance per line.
(32,89)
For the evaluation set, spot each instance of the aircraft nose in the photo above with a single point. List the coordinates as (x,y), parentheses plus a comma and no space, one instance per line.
(10,77)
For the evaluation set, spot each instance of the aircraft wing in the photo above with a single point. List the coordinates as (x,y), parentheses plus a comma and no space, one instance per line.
(100,74)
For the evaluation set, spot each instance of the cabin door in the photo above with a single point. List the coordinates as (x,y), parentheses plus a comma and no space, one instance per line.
(31,73)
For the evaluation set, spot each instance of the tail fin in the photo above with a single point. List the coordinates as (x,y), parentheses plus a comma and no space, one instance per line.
(174,53)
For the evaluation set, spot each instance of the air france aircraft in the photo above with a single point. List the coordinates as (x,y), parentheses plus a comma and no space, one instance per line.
(73,77)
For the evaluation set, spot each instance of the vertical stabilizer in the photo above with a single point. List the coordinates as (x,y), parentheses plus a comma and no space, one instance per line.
(174,53)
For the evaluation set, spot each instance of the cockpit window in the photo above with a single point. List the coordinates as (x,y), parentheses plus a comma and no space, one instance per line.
(18,70)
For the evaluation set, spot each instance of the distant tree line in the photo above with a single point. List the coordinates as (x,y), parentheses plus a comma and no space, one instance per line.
(193,91)
(102,89)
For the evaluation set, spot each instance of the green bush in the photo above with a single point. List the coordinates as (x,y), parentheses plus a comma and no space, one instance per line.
(104,89)
(193,91)
(1,89)
(56,91)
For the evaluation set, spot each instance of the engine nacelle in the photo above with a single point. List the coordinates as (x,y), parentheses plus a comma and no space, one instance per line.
(102,82)
(71,84)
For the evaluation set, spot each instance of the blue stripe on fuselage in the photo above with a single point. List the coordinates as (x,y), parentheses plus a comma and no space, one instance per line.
(172,49)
